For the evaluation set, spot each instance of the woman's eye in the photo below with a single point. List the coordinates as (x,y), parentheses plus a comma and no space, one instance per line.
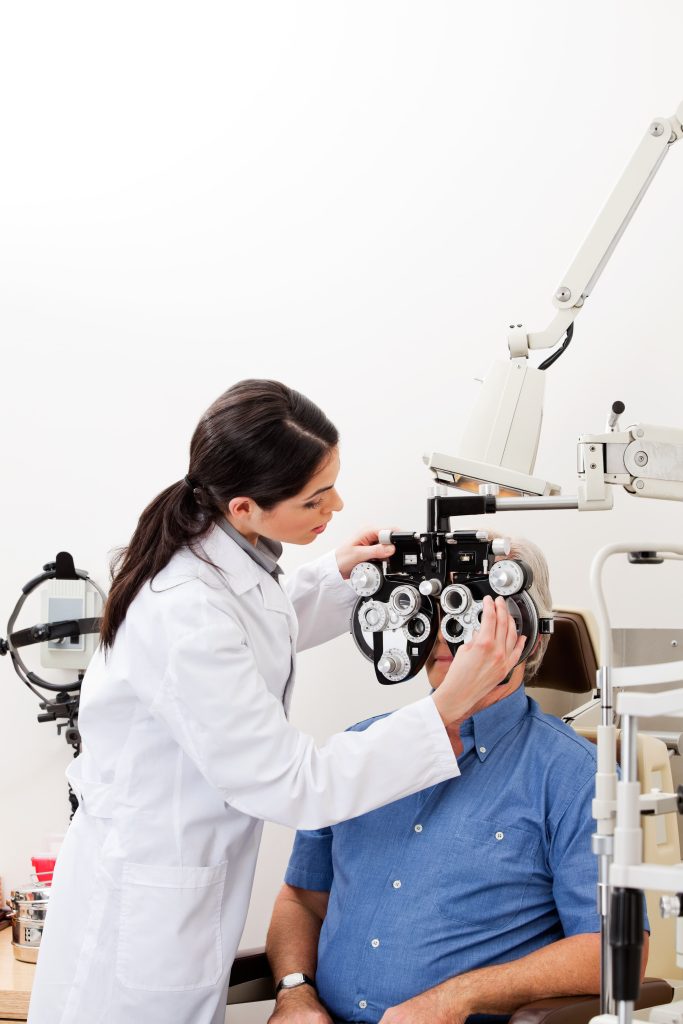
(313,504)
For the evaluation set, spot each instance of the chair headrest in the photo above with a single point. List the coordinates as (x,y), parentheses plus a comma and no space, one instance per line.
(570,661)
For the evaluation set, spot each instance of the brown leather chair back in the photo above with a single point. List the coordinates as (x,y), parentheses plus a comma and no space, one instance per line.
(571,660)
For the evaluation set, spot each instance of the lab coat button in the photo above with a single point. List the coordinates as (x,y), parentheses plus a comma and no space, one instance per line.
(418,828)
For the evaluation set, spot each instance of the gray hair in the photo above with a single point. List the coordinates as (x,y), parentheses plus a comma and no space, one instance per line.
(539,591)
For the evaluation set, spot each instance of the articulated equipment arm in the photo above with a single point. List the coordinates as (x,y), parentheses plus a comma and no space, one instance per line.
(603,238)
(499,446)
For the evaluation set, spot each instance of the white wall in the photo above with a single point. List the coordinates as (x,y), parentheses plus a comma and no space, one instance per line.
(355,198)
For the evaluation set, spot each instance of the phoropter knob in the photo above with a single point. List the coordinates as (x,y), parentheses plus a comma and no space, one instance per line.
(430,588)
(373,617)
(394,665)
(507,578)
(366,579)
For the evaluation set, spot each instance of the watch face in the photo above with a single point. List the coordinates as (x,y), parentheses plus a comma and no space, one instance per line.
(292,980)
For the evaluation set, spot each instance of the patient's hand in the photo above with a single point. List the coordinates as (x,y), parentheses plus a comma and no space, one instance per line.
(299,1006)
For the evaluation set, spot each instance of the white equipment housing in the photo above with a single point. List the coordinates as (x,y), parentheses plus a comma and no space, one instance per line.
(64,600)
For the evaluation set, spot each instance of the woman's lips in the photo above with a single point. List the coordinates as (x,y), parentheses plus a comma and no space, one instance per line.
(320,529)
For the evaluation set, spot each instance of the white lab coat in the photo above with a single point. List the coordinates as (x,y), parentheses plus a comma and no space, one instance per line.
(186,747)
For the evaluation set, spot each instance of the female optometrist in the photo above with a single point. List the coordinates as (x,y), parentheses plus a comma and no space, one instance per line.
(183,715)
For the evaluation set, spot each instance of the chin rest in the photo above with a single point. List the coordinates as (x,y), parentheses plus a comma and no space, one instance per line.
(252,981)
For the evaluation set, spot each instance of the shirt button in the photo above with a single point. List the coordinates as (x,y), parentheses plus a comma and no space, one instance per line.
(375,943)
(396,884)
(363,1004)
(418,828)
(500,835)
(482,750)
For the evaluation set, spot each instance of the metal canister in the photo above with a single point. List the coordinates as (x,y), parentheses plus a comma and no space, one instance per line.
(28,905)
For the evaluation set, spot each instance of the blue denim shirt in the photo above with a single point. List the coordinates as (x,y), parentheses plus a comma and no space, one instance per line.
(481,869)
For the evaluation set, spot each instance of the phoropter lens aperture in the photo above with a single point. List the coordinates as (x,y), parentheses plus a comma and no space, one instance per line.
(418,628)
(455,599)
(451,629)
(405,600)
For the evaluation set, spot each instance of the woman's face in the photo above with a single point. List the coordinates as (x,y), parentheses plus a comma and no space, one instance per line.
(298,520)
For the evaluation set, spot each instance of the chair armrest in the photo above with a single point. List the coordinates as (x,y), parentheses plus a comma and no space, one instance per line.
(251,980)
(580,1009)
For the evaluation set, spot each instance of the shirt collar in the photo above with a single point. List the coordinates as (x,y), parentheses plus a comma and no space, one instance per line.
(265,553)
(494,722)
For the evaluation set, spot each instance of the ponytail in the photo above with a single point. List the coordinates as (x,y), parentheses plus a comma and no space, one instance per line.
(261,440)
(173,519)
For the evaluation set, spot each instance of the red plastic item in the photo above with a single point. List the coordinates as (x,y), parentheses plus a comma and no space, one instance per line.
(44,868)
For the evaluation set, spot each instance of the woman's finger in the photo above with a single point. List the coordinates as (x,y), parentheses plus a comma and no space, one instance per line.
(367,554)
(487,629)
(502,616)
(511,637)
(517,652)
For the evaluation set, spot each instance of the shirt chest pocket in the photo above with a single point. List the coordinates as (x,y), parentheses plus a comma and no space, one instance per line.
(484,873)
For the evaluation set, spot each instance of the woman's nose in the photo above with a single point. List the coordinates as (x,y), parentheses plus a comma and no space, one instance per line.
(337,504)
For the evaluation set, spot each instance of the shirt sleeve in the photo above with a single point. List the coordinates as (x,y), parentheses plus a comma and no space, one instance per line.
(575,867)
(573,864)
(310,863)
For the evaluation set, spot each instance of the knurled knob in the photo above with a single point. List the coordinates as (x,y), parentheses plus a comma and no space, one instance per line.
(430,588)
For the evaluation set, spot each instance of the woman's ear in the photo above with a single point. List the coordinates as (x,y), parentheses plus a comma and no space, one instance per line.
(240,507)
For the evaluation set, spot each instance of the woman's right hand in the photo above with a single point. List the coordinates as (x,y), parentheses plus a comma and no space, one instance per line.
(481,664)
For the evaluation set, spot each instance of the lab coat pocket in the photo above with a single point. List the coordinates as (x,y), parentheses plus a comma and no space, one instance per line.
(170,927)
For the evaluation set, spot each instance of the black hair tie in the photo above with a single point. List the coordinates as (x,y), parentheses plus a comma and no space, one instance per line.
(190,483)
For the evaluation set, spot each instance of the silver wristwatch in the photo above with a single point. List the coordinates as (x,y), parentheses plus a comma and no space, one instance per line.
(294,981)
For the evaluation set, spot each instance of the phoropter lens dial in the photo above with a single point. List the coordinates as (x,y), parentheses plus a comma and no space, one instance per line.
(373,617)
(507,577)
(366,579)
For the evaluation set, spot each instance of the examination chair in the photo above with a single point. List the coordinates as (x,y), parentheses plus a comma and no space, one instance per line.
(566,677)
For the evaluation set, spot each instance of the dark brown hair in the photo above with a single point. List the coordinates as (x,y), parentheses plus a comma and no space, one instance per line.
(260,439)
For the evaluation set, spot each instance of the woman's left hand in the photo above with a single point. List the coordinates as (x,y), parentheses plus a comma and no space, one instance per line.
(362,548)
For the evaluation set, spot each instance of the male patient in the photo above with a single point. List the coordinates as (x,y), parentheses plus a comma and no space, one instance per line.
(475,896)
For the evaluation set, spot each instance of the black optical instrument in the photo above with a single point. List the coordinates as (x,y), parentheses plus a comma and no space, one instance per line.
(434,584)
